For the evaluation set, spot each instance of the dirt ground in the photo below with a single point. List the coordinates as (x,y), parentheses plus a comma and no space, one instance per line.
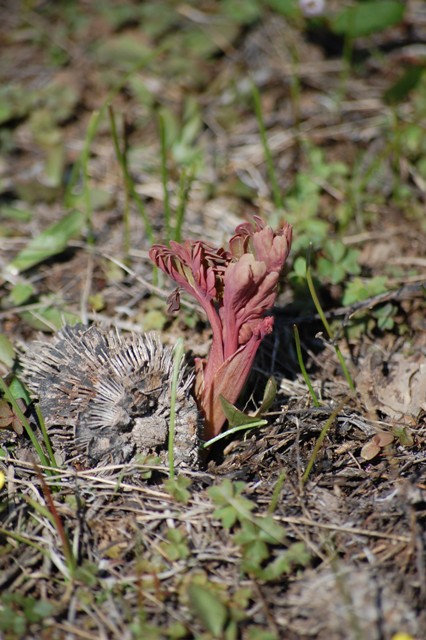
(351,169)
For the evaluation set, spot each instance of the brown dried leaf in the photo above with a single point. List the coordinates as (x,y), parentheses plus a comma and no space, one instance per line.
(6,414)
(383,438)
(370,450)
(399,394)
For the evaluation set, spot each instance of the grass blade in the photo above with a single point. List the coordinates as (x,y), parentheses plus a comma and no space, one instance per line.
(128,180)
(303,368)
(10,398)
(276,191)
(177,361)
(328,424)
(165,176)
(327,326)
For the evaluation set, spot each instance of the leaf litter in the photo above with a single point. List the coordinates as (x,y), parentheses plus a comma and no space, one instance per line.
(358,522)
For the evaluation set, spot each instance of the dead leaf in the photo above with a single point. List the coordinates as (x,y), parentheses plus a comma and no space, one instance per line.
(399,394)
(376,444)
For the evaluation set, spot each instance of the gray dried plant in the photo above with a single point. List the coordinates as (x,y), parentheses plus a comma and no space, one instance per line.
(105,397)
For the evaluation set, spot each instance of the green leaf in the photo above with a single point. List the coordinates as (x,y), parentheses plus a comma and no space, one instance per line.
(289,8)
(365,18)
(15,212)
(268,396)
(123,51)
(269,530)
(296,555)
(178,488)
(255,553)
(362,288)
(232,505)
(399,91)
(235,417)
(242,12)
(49,318)
(7,352)
(299,267)
(175,548)
(384,316)
(259,633)
(207,606)
(18,390)
(49,243)
(20,293)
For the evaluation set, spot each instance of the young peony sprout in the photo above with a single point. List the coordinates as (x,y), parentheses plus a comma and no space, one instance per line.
(236,287)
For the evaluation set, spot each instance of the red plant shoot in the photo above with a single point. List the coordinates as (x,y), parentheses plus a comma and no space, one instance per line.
(235,287)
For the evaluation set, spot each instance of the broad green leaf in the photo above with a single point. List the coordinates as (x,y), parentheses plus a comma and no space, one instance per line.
(178,488)
(49,318)
(18,390)
(49,243)
(365,18)
(255,553)
(207,606)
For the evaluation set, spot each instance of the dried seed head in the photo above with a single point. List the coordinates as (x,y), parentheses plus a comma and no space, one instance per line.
(106,397)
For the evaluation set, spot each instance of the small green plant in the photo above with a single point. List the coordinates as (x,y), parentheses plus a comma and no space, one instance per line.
(381,317)
(336,262)
(266,554)
(175,547)
(232,506)
(326,428)
(177,487)
(48,243)
(241,421)
(217,608)
(18,612)
(302,201)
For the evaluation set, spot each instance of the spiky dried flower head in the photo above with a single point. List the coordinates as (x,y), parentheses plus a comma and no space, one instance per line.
(106,397)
